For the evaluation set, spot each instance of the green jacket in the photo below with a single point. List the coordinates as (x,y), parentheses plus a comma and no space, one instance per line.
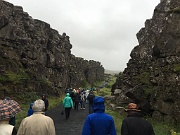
(67,102)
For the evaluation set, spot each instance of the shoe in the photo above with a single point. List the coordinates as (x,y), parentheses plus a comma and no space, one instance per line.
(81,108)
(84,108)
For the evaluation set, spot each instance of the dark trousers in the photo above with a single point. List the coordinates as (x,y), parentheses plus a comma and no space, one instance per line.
(67,112)
(76,105)
(12,121)
(90,108)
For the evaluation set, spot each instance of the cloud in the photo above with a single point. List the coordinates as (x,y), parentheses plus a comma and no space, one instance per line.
(102,30)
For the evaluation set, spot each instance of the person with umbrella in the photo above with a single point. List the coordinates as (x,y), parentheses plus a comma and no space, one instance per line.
(12,120)
(8,109)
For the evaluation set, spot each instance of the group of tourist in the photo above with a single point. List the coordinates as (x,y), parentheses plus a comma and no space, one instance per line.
(100,123)
(74,98)
(96,123)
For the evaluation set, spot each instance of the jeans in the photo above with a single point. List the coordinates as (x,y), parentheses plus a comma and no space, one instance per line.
(82,104)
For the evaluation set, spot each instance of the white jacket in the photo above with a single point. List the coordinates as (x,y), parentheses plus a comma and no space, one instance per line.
(5,128)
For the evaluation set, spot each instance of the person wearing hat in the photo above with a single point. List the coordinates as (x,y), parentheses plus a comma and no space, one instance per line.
(38,123)
(134,123)
(99,123)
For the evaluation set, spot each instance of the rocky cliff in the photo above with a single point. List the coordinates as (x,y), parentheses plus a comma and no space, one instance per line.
(36,58)
(152,76)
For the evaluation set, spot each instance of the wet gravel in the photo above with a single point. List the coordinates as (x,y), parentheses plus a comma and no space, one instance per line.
(72,126)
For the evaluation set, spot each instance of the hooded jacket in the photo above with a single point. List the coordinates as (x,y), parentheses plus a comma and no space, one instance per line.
(67,102)
(30,111)
(99,123)
(46,102)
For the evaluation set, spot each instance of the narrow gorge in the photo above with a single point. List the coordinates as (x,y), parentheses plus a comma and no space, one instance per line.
(35,58)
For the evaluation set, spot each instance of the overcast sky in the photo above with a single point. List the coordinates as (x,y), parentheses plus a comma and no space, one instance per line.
(100,30)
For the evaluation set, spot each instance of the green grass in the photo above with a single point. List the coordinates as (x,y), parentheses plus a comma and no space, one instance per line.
(55,101)
(107,89)
(103,92)
(161,128)
(13,77)
(117,119)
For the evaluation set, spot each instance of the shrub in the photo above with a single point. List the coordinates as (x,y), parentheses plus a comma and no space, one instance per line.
(175,10)
(14,78)
(176,67)
(84,83)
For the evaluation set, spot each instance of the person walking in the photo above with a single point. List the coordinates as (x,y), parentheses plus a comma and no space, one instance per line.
(12,120)
(46,102)
(38,123)
(135,124)
(6,128)
(82,101)
(76,100)
(8,110)
(90,98)
(67,104)
(99,123)
(30,111)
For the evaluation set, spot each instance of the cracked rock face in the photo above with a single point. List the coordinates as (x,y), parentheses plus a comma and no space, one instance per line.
(152,73)
(35,57)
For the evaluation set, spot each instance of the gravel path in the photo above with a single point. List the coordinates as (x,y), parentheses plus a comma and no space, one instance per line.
(72,126)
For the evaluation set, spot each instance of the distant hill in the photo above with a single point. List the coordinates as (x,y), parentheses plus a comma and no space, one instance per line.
(111,72)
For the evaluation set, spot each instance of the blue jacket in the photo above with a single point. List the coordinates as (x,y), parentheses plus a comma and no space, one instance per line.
(99,123)
(30,111)
(67,102)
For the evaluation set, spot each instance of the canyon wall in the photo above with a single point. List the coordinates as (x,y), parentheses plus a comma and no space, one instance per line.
(35,58)
(152,76)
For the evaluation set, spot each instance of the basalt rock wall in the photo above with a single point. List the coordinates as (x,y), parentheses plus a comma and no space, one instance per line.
(152,76)
(36,58)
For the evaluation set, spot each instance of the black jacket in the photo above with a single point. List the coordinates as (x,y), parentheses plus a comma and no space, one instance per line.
(46,102)
(77,97)
(90,98)
(135,124)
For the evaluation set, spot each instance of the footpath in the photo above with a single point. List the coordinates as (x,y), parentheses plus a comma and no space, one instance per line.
(72,126)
